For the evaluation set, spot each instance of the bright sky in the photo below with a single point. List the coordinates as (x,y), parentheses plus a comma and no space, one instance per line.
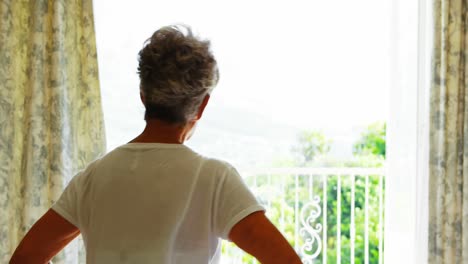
(307,63)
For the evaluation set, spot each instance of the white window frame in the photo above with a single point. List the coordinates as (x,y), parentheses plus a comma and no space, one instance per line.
(406,208)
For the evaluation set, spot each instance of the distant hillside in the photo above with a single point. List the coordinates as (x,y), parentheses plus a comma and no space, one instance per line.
(252,140)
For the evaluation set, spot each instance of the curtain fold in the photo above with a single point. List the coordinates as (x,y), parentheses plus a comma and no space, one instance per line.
(51,121)
(448,169)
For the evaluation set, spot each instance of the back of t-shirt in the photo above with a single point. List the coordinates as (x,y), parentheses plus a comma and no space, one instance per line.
(155,203)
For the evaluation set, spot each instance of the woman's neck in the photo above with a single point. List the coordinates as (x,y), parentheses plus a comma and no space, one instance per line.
(157,131)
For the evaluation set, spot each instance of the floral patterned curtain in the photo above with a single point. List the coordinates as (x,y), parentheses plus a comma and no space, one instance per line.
(448,179)
(51,122)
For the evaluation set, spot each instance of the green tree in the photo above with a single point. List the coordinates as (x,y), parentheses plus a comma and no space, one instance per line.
(372,141)
(311,144)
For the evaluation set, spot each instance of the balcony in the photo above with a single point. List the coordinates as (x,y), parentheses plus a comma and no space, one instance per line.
(329,215)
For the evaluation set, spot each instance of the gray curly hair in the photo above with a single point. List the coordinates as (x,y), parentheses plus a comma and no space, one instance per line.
(177,70)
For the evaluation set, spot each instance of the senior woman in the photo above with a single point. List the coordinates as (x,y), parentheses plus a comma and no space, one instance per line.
(154,200)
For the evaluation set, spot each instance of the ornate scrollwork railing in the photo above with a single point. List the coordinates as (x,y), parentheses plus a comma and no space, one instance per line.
(311,233)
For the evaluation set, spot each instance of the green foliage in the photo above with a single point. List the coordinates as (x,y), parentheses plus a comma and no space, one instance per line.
(373,188)
(372,141)
(279,194)
(310,145)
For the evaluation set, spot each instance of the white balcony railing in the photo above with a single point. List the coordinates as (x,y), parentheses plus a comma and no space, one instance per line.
(329,215)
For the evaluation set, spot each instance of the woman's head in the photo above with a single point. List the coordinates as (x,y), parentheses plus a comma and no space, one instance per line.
(177,70)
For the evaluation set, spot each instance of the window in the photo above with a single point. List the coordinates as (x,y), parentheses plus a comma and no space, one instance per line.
(286,67)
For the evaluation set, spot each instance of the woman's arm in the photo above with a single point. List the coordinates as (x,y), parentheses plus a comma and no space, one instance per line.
(50,234)
(256,235)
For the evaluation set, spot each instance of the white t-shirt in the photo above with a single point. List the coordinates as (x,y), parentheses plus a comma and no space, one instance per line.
(155,203)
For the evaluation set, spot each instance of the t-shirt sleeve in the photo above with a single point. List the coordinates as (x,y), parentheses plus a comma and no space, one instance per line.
(71,202)
(234,202)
